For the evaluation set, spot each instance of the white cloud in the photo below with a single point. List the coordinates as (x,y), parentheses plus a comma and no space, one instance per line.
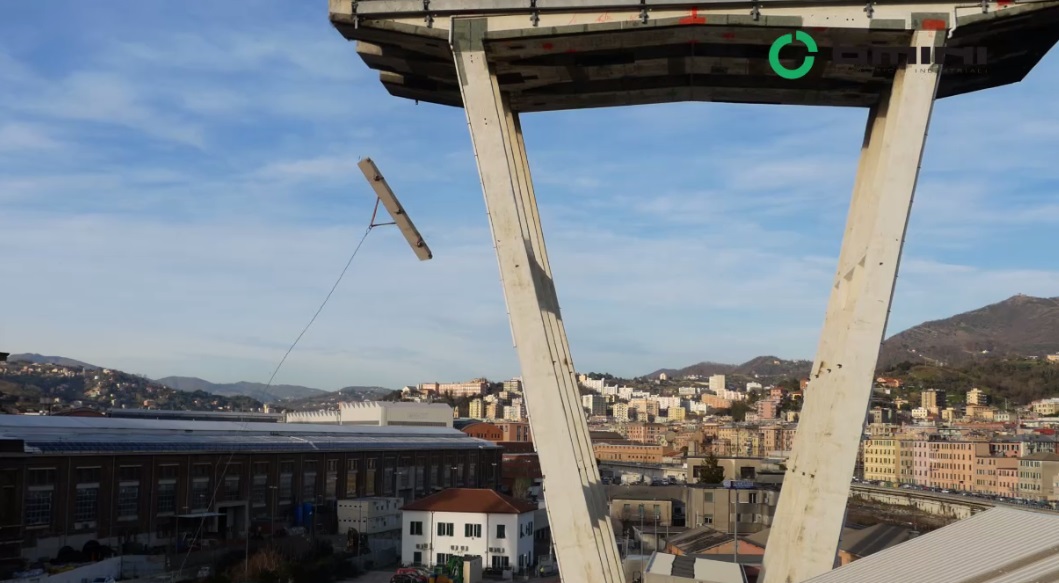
(677,233)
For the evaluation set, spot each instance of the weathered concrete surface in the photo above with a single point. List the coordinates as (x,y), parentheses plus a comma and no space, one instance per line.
(600,56)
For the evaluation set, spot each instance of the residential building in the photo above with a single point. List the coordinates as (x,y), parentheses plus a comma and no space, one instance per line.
(594,405)
(932,400)
(518,431)
(620,412)
(469,521)
(977,396)
(628,452)
(717,383)
(476,409)
(645,432)
(996,475)
(768,408)
(1037,473)
(471,388)
(881,460)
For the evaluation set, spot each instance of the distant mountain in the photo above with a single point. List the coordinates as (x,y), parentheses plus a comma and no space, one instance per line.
(1020,326)
(332,399)
(259,391)
(30,385)
(41,359)
(768,368)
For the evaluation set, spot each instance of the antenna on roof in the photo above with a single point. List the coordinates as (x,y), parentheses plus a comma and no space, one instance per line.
(389,200)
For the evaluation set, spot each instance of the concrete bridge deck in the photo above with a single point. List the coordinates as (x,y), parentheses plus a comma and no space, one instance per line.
(570,54)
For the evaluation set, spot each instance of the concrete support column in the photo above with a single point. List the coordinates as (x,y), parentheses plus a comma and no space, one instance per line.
(812,505)
(576,502)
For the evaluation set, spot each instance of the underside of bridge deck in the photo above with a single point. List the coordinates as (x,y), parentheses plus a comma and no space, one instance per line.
(601,58)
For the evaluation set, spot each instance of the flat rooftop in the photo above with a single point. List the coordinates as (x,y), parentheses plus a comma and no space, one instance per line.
(82,435)
(571,54)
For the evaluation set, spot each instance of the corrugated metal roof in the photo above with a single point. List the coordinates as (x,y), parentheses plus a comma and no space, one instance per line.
(694,569)
(1001,545)
(47,434)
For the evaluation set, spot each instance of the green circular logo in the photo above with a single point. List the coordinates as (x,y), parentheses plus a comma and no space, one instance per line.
(774,55)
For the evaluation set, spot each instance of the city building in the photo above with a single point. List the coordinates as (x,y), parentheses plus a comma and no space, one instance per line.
(977,396)
(718,383)
(473,388)
(933,401)
(380,413)
(469,521)
(594,405)
(67,480)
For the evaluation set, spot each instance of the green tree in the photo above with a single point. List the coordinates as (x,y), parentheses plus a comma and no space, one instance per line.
(710,472)
(739,410)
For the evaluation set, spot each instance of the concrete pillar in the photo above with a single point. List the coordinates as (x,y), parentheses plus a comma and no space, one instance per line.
(812,505)
(577,508)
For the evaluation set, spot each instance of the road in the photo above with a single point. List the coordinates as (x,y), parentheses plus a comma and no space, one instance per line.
(968,500)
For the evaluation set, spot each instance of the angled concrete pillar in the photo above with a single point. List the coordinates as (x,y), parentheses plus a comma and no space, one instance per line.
(808,521)
(577,513)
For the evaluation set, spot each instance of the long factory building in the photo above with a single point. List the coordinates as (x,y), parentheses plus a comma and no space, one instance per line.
(65,481)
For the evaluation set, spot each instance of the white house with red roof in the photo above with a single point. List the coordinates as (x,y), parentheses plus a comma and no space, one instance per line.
(468,521)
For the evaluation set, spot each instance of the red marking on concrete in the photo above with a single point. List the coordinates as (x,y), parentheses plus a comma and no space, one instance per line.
(819,29)
(934,24)
(568,51)
(603,17)
(693,18)
(547,46)
(728,35)
(693,42)
(1003,3)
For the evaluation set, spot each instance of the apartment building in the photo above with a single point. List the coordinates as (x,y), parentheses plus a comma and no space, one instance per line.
(997,475)
(645,432)
(628,452)
(952,463)
(1037,473)
(881,459)
(469,521)
(595,405)
(471,388)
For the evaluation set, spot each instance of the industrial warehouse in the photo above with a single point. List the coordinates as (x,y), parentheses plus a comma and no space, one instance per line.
(66,481)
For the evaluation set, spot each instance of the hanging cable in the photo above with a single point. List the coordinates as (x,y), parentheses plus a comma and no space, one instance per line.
(321,308)
(213,498)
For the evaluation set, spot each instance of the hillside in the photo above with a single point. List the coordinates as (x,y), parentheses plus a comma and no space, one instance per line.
(332,399)
(1016,382)
(1019,326)
(259,391)
(25,386)
(764,368)
(41,359)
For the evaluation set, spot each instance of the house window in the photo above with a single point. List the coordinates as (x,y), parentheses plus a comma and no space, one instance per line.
(128,501)
(415,528)
(86,504)
(166,497)
(259,490)
(442,558)
(501,531)
(501,562)
(417,558)
(200,494)
(351,477)
(286,488)
(231,487)
(472,530)
(38,507)
(445,529)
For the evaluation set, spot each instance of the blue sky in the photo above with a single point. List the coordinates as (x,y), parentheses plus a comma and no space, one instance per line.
(178,191)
